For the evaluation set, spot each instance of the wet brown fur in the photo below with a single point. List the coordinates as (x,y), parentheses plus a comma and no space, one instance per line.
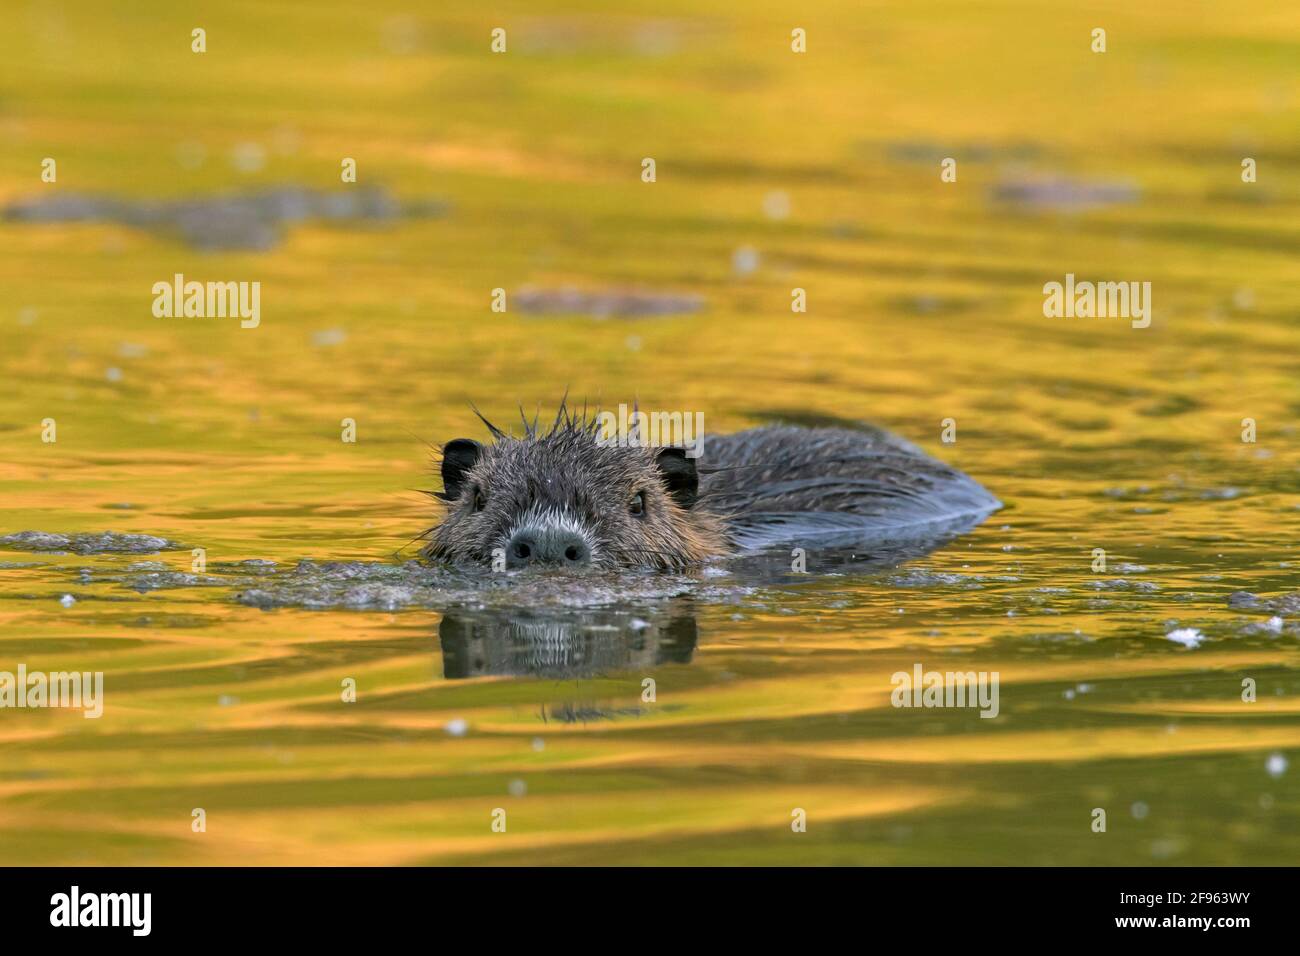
(565,471)
(765,484)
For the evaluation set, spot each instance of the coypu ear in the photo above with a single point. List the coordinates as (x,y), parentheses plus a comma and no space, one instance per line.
(679,475)
(458,457)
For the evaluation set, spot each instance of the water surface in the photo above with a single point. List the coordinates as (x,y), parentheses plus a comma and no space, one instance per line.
(223,685)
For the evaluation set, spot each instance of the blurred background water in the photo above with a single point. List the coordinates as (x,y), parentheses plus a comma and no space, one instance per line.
(775,170)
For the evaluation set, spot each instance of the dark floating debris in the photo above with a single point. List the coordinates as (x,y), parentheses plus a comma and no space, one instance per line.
(366,585)
(250,220)
(566,36)
(1281,604)
(921,578)
(103,542)
(1060,193)
(604,304)
(388,586)
(928,153)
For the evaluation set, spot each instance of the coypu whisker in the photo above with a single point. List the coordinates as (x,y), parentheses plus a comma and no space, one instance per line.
(496,432)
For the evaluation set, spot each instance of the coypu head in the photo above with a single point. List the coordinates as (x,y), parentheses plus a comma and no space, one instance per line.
(565,498)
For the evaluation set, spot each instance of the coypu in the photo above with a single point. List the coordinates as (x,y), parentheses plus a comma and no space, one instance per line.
(565,497)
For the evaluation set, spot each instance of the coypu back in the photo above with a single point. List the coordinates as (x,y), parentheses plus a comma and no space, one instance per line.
(782,482)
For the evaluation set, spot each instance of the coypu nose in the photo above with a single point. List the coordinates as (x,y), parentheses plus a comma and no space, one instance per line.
(560,546)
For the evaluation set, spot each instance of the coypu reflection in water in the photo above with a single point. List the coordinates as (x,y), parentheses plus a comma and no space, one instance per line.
(565,642)
(568,497)
(582,642)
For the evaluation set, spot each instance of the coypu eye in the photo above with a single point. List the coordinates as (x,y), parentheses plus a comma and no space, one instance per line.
(637,505)
(480,499)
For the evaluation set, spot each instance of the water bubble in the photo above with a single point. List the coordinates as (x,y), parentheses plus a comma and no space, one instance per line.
(1163,849)
(248,157)
(402,35)
(745,260)
(327,337)
(287,140)
(191,155)
(1186,636)
(655,38)
(776,204)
